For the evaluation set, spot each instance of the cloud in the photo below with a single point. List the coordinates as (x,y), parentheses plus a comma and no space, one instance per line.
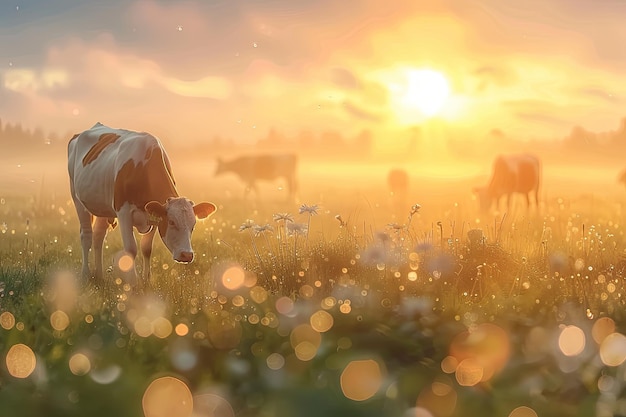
(26,79)
(79,69)
(361,113)
(208,87)
(344,78)
(598,94)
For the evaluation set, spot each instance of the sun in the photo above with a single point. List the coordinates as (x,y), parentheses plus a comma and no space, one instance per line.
(426,91)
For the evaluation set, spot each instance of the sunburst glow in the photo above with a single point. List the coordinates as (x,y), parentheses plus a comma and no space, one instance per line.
(427,91)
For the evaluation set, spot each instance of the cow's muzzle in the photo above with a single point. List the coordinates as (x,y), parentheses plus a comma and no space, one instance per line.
(184,257)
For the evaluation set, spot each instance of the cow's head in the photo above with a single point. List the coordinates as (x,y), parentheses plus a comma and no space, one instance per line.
(175,220)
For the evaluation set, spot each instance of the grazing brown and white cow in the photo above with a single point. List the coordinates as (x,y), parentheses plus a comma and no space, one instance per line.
(253,168)
(125,175)
(517,173)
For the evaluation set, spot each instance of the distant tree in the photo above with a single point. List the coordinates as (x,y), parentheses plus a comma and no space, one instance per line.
(580,138)
(332,140)
(306,139)
(273,140)
(38,136)
(618,138)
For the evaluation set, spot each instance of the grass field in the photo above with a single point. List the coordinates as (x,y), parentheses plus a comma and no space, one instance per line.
(359,306)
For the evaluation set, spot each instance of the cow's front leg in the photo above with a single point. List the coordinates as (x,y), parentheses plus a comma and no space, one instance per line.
(146,251)
(125,220)
(99,232)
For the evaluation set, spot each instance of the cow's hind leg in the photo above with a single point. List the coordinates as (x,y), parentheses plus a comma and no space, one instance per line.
(86,235)
(100,227)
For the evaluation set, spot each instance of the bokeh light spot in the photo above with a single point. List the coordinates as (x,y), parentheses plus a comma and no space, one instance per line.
(167,397)
(572,341)
(181,329)
(233,278)
(523,411)
(449,364)
(361,379)
(603,327)
(613,349)
(275,361)
(7,320)
(20,361)
(284,305)
(125,263)
(321,321)
(211,405)
(79,364)
(161,327)
(258,294)
(469,372)
(59,320)
(305,351)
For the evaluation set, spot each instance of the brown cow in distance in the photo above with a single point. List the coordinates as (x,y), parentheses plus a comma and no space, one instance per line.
(398,185)
(253,168)
(512,174)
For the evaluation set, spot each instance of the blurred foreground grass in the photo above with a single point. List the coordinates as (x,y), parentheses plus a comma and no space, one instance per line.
(300,310)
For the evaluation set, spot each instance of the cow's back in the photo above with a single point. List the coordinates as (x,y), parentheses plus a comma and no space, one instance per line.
(97,156)
(518,173)
(270,167)
(529,172)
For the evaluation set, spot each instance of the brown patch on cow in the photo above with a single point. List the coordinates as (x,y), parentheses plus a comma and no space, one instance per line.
(103,141)
(150,180)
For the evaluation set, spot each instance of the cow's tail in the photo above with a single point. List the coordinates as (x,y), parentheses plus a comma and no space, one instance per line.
(539,168)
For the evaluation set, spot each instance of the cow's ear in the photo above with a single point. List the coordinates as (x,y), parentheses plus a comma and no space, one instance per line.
(156,212)
(204,210)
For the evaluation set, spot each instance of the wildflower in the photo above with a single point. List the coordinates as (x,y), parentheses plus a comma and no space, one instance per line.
(297,229)
(259,230)
(248,224)
(340,220)
(395,226)
(414,209)
(285,217)
(312,210)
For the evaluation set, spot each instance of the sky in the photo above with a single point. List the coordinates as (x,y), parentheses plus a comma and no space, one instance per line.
(194,69)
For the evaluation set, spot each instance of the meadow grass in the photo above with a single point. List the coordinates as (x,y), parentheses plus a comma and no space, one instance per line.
(351,309)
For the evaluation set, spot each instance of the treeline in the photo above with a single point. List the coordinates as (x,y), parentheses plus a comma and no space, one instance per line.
(15,137)
(410,144)
(328,143)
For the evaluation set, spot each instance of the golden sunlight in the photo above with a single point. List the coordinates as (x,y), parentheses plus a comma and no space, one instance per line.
(427,91)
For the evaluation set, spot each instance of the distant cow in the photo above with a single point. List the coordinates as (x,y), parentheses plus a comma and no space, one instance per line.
(398,182)
(622,177)
(253,168)
(125,175)
(519,173)
(398,185)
